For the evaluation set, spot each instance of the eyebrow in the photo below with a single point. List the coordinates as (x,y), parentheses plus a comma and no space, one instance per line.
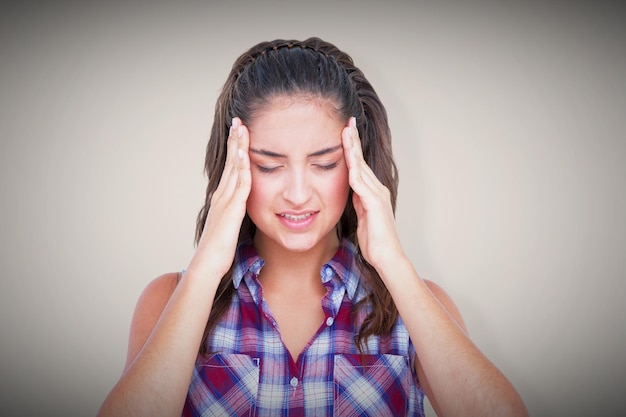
(272,154)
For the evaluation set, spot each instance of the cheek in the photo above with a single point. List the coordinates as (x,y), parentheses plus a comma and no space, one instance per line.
(258,191)
(264,191)
(338,187)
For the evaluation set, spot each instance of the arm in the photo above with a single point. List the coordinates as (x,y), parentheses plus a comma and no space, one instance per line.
(457,378)
(170,316)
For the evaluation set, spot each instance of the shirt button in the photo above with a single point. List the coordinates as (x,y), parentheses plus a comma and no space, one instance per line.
(330,321)
(294,382)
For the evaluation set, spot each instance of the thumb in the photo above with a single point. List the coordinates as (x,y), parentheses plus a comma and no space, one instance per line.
(358,205)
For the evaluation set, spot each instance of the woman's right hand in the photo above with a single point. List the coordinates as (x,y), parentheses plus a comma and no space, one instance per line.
(216,248)
(171,314)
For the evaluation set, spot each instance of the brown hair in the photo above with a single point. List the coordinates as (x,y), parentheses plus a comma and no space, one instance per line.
(312,68)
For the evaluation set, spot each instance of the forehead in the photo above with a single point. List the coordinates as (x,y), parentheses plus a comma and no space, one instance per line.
(296,123)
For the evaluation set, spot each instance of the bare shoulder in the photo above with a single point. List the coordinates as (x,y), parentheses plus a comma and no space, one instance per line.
(446,301)
(150,305)
(159,290)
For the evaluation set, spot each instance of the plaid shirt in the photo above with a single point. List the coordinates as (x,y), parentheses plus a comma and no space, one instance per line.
(253,374)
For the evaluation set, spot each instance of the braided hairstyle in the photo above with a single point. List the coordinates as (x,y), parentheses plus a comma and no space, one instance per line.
(311,68)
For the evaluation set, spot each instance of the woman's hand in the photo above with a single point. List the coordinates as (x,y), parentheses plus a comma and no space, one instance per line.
(171,314)
(376,229)
(218,242)
(434,323)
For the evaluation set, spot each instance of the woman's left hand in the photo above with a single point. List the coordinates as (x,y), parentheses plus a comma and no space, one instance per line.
(376,230)
(425,308)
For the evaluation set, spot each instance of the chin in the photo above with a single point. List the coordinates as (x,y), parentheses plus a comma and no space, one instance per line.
(297,242)
(300,243)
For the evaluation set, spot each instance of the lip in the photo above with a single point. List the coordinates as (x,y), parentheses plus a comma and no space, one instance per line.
(297,220)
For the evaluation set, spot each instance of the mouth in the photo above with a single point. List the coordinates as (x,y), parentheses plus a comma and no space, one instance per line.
(296,217)
(298,221)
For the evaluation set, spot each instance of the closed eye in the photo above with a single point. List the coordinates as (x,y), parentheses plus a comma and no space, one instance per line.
(327,167)
(267,170)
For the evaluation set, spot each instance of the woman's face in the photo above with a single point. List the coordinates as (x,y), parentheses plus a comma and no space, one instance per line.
(299,175)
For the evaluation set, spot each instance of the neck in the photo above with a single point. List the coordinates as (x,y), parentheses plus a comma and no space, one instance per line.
(282,264)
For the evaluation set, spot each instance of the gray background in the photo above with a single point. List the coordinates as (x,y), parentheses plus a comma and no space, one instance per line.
(509,129)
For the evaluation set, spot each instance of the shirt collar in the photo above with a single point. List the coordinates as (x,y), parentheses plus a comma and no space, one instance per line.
(247,260)
(342,265)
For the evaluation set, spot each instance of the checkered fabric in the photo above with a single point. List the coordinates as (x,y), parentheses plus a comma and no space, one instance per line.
(251,373)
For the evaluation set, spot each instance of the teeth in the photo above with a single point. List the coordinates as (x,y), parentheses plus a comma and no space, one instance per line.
(299,217)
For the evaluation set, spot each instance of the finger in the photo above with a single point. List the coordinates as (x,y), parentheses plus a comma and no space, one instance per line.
(352,159)
(355,150)
(232,142)
(243,159)
(243,140)
(360,172)
(230,159)
(356,140)
(366,185)
(347,136)
(238,180)
(230,174)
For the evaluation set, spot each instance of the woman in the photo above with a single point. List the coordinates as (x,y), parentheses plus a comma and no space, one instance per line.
(299,298)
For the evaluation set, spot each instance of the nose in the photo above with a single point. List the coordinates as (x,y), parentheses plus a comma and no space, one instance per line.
(298,188)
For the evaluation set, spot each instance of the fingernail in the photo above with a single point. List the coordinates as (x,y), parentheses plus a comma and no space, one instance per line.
(353,122)
(240,131)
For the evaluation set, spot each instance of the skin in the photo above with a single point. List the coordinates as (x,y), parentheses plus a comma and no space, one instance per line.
(299,178)
(457,378)
(299,191)
(169,319)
